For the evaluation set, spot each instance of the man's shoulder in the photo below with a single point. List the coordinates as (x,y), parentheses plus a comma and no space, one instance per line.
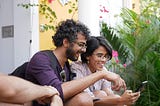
(44,54)
(40,59)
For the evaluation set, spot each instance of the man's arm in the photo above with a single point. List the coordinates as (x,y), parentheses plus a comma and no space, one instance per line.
(74,87)
(16,90)
(71,88)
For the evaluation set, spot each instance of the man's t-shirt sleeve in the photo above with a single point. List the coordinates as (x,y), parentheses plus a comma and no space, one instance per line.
(40,68)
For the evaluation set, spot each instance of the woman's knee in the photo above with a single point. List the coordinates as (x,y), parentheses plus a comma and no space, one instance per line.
(100,93)
(85,99)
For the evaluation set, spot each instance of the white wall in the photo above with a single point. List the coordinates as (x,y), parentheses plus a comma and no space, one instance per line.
(16,50)
(6,44)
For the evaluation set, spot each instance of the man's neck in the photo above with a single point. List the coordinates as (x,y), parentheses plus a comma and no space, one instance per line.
(60,55)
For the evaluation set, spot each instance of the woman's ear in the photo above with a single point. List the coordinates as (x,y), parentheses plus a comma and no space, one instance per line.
(65,42)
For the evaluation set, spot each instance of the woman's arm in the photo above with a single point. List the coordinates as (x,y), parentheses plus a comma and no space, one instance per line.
(127,98)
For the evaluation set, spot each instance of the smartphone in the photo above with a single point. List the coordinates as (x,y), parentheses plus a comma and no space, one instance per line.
(141,86)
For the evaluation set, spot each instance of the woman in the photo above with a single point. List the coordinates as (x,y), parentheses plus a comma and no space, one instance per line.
(98,52)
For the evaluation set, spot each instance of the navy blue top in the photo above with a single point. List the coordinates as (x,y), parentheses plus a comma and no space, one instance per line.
(40,71)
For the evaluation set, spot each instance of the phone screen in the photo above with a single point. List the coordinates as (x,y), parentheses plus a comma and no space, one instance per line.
(141,86)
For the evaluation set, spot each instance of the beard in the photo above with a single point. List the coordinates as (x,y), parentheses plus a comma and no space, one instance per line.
(71,54)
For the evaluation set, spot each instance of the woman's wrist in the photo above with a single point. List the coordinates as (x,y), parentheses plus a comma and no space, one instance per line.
(120,100)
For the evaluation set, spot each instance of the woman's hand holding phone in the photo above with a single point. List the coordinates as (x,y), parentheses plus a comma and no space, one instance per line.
(141,86)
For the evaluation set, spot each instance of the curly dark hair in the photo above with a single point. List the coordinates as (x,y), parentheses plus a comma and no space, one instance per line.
(92,44)
(69,29)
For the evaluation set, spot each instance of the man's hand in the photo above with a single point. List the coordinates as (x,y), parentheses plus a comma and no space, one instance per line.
(50,92)
(117,81)
(118,84)
(56,101)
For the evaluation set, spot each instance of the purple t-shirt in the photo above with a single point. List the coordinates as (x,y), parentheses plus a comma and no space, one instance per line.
(40,71)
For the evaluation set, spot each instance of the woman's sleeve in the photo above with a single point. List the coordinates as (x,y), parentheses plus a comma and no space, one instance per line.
(77,68)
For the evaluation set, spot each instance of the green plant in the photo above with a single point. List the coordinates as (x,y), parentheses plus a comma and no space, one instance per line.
(112,36)
(114,64)
(150,7)
(138,37)
(50,15)
(73,7)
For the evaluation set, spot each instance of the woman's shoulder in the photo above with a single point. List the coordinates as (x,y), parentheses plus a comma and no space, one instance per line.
(78,65)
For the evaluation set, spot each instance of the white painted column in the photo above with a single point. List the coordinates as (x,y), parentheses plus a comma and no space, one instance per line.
(22,32)
(127,4)
(26,31)
(34,28)
(88,13)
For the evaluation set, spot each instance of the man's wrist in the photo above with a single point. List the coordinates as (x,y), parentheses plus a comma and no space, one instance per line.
(102,74)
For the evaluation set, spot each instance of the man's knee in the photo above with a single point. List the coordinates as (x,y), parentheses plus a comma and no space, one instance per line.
(82,99)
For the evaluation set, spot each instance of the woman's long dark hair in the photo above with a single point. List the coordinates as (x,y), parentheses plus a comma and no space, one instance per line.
(92,44)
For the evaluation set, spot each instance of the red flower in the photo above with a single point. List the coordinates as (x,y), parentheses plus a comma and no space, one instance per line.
(100,17)
(114,53)
(117,61)
(125,65)
(101,10)
(50,1)
(148,22)
(105,9)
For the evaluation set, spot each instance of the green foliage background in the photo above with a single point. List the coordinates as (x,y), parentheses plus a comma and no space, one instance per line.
(137,40)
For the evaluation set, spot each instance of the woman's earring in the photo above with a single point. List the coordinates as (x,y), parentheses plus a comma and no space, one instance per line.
(87,59)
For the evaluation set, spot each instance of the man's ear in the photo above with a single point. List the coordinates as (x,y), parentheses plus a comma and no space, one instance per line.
(65,42)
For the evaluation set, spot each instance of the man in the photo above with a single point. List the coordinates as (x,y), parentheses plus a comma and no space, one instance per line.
(70,41)
(18,91)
